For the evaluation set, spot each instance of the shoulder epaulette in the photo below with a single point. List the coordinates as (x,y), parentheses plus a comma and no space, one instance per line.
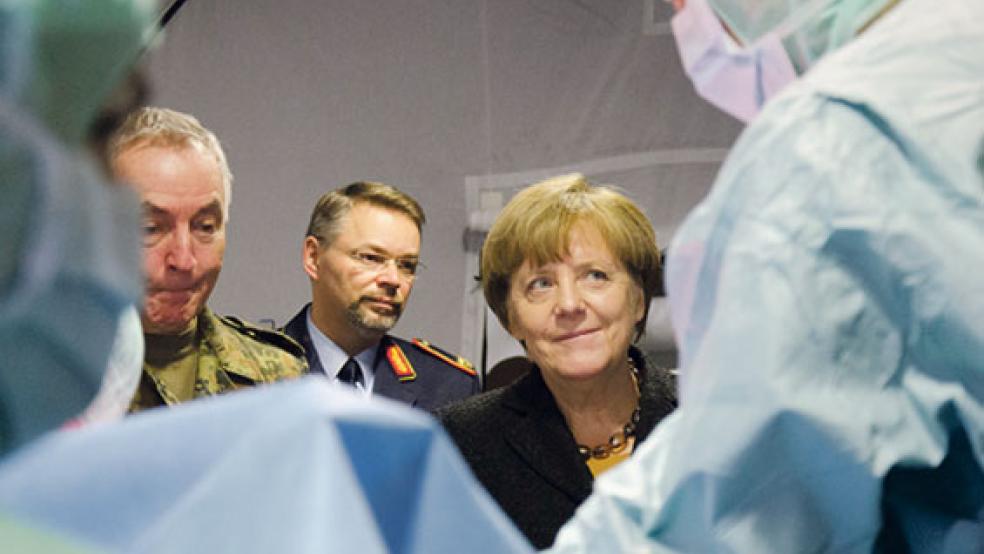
(266,336)
(446,357)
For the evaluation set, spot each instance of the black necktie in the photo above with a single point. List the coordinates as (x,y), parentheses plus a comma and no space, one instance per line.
(351,373)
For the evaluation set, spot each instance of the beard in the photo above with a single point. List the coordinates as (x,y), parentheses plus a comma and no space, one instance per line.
(369,322)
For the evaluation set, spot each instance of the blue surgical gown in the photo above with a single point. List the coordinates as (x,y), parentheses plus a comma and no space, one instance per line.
(830,316)
(292,467)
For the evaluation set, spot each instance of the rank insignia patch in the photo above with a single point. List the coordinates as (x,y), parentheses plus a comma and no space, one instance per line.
(401,365)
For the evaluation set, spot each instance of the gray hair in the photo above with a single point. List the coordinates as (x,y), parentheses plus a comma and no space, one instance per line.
(150,126)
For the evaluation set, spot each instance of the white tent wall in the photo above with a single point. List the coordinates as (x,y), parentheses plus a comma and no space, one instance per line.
(434,97)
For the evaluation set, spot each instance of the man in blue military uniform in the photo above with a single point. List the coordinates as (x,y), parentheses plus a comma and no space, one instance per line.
(361,254)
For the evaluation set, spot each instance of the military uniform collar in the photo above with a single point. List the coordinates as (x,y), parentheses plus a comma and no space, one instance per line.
(225,343)
(332,357)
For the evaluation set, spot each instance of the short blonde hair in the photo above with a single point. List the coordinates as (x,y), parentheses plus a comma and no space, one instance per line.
(326,218)
(536,226)
(150,126)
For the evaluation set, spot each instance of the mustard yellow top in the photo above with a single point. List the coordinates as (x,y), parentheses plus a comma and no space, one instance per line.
(601,465)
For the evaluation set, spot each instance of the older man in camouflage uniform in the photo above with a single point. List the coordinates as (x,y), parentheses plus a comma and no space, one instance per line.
(178,168)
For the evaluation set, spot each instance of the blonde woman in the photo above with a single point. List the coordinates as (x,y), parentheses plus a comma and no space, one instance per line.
(569,269)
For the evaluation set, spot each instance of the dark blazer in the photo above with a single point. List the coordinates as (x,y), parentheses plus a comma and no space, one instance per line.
(518,445)
(430,379)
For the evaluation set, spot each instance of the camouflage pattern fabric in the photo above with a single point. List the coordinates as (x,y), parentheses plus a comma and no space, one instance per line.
(231,354)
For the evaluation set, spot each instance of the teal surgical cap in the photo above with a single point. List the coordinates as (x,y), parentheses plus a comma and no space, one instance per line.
(62,58)
(808,28)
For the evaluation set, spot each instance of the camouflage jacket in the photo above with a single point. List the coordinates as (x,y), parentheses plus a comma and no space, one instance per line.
(231,354)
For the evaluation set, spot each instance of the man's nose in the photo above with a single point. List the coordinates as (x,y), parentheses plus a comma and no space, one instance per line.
(389,275)
(181,254)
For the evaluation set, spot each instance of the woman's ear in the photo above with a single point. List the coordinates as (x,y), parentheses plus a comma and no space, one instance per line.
(640,304)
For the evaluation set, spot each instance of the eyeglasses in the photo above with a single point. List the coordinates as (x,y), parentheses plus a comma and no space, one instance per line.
(376,262)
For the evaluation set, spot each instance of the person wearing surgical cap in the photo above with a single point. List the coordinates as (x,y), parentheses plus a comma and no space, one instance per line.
(826,304)
(70,256)
(735,77)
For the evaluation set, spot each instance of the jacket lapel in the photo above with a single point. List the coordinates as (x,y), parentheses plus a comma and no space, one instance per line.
(539,435)
(297,329)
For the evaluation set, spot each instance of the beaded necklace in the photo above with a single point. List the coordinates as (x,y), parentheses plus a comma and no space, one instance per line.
(617,442)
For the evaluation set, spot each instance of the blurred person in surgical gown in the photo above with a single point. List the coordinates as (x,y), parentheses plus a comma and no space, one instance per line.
(69,261)
(69,258)
(827,305)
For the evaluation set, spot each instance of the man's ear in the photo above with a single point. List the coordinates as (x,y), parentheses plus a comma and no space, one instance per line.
(310,255)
